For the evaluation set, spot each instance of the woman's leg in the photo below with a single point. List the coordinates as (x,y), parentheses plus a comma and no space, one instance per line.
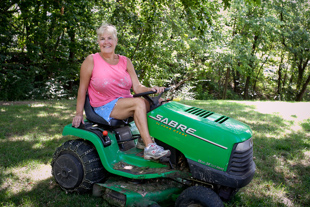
(136,107)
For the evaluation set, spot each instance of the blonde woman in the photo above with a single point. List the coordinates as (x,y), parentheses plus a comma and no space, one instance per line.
(108,78)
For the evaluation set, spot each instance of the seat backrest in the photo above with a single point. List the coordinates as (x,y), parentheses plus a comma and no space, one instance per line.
(95,118)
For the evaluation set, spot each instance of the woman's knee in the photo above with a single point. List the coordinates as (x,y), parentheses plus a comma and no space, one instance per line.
(140,103)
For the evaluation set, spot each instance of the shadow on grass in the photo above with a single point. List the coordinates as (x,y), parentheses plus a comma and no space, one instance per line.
(30,134)
(47,193)
(306,125)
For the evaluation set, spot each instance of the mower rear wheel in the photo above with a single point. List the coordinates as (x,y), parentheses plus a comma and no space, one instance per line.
(76,166)
(198,196)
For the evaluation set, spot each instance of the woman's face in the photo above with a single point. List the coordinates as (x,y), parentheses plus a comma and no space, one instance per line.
(107,42)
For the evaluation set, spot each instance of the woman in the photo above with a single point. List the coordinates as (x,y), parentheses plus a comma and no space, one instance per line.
(108,78)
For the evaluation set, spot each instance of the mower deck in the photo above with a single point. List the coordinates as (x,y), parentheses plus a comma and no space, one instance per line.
(126,192)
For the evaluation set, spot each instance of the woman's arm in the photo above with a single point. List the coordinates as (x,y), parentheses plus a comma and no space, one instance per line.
(136,85)
(85,75)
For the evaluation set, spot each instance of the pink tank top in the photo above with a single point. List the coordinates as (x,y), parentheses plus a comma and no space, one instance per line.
(108,82)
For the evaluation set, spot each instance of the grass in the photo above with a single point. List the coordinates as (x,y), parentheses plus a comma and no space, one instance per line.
(30,132)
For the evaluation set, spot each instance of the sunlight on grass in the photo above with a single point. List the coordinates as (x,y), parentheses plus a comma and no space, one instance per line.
(37,105)
(296,112)
(269,193)
(43,114)
(285,109)
(23,179)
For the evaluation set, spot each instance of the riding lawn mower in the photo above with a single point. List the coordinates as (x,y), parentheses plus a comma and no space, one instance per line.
(211,157)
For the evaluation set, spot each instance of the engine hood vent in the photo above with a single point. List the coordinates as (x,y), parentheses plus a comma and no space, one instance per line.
(205,114)
(222,119)
(199,112)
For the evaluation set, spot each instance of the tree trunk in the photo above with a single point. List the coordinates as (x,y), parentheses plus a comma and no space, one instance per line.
(279,89)
(226,83)
(246,87)
(301,87)
(303,90)
(252,66)
(259,71)
(138,44)
(72,48)
(179,84)
(236,76)
(301,70)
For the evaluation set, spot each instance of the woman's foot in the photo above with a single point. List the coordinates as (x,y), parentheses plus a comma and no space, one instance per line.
(153,151)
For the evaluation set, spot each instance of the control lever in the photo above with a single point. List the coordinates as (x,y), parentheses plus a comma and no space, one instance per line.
(104,136)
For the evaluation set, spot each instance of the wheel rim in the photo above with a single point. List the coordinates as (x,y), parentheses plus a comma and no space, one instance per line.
(68,171)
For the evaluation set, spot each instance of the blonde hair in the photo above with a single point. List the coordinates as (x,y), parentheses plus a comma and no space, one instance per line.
(105,27)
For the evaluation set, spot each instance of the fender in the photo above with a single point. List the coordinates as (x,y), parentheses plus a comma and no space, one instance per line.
(116,156)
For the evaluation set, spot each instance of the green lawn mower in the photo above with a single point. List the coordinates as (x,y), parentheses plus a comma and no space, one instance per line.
(211,158)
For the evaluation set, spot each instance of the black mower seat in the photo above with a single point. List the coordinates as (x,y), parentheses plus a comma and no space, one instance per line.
(95,118)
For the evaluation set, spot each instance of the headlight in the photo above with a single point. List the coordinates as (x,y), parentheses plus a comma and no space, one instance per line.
(244,146)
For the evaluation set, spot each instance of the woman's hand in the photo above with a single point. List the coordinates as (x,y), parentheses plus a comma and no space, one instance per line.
(77,120)
(158,89)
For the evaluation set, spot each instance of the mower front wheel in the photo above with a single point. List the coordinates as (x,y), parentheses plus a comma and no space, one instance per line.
(76,166)
(198,196)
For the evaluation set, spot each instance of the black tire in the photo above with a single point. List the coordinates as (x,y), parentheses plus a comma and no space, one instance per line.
(198,196)
(76,166)
(154,205)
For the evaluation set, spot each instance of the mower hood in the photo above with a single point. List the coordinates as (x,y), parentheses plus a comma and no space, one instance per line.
(201,135)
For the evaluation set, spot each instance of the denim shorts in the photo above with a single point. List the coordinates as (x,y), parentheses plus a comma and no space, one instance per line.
(105,110)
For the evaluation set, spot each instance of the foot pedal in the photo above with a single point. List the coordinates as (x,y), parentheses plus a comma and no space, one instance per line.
(166,159)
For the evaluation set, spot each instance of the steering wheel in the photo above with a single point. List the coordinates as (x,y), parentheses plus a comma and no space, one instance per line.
(154,102)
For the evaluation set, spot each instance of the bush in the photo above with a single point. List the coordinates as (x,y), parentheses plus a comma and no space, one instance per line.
(55,80)
(16,81)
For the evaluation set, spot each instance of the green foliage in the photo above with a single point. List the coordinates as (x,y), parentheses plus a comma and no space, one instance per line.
(247,48)
(16,81)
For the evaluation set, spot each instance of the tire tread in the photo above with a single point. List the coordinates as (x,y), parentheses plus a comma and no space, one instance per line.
(86,153)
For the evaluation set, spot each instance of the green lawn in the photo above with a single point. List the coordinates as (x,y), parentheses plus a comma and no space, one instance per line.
(30,132)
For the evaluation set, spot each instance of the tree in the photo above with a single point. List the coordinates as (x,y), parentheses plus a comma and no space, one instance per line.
(224,50)
(295,39)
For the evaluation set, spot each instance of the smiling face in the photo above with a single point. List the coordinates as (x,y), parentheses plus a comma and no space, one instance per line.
(107,42)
